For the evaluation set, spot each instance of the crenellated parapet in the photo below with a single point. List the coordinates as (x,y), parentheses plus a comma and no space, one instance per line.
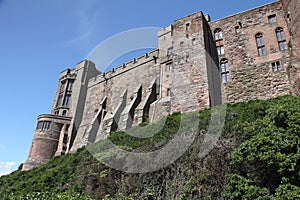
(152,56)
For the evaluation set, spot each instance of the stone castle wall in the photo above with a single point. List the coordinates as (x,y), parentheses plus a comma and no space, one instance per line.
(251,76)
(117,87)
(292,16)
(186,73)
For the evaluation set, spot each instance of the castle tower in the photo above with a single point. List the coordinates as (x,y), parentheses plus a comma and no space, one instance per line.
(46,138)
(196,77)
(53,134)
(292,16)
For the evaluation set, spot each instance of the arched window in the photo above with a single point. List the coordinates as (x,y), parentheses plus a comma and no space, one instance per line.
(218,34)
(261,49)
(281,39)
(187,26)
(225,70)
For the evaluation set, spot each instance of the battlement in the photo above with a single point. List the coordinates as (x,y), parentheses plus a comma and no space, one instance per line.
(67,73)
(131,64)
(166,30)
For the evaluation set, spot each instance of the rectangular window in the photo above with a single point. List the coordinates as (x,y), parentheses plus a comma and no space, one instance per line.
(59,100)
(272,19)
(65,139)
(168,92)
(70,85)
(170,51)
(276,66)
(62,87)
(67,100)
(169,67)
(220,50)
(44,125)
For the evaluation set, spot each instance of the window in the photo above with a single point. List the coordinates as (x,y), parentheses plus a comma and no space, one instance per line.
(64,113)
(169,67)
(187,58)
(272,19)
(44,125)
(220,50)
(70,85)
(237,29)
(62,87)
(276,66)
(59,100)
(288,17)
(261,49)
(225,70)
(193,41)
(188,27)
(170,51)
(65,139)
(218,34)
(168,92)
(281,39)
(67,100)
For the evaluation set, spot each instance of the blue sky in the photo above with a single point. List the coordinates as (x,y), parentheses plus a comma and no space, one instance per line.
(39,39)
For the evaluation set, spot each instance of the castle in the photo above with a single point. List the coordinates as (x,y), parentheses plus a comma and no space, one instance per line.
(252,55)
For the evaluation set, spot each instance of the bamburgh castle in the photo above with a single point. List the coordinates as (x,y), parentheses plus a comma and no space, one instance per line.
(198,64)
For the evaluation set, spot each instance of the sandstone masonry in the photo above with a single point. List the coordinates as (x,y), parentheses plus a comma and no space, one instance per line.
(252,55)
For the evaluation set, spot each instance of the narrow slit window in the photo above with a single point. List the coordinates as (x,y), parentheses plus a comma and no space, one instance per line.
(188,27)
(168,92)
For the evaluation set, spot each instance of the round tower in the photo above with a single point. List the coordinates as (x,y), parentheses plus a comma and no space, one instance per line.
(46,139)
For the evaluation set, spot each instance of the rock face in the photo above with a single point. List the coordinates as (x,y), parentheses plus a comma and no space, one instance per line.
(250,55)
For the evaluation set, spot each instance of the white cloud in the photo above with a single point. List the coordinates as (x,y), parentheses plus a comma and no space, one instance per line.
(7,167)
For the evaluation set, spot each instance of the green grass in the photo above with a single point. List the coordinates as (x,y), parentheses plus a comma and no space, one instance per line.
(79,175)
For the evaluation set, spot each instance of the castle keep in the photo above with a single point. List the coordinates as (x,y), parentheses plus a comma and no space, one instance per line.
(251,55)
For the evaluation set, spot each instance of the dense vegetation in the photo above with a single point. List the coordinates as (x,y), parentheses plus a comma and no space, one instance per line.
(257,157)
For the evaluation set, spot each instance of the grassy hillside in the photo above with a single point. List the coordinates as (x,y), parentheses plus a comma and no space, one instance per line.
(257,157)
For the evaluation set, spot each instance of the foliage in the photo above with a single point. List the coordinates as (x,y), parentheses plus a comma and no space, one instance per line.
(46,196)
(242,188)
(257,157)
(271,158)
